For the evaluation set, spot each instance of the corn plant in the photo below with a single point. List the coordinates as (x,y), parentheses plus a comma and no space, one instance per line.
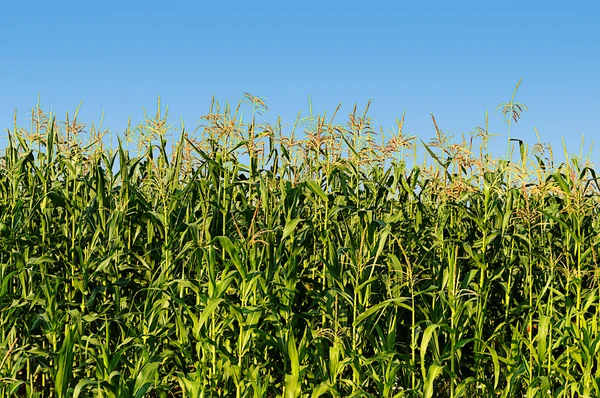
(240,259)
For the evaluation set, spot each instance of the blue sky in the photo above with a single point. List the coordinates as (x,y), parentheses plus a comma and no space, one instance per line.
(455,59)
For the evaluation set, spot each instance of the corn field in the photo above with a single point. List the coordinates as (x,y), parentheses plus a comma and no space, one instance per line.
(320,259)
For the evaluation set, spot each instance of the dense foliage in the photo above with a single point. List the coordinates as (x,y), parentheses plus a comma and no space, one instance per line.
(325,267)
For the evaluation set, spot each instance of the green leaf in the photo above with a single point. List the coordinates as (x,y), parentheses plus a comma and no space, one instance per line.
(321,389)
(399,301)
(66,355)
(81,385)
(316,188)
(427,335)
(496,363)
(292,381)
(432,373)
(144,380)
(542,335)
(290,227)
(233,254)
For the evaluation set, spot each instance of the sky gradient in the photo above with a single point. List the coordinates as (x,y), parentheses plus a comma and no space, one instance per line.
(454,59)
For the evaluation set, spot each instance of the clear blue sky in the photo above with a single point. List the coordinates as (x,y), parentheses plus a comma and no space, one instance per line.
(455,59)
